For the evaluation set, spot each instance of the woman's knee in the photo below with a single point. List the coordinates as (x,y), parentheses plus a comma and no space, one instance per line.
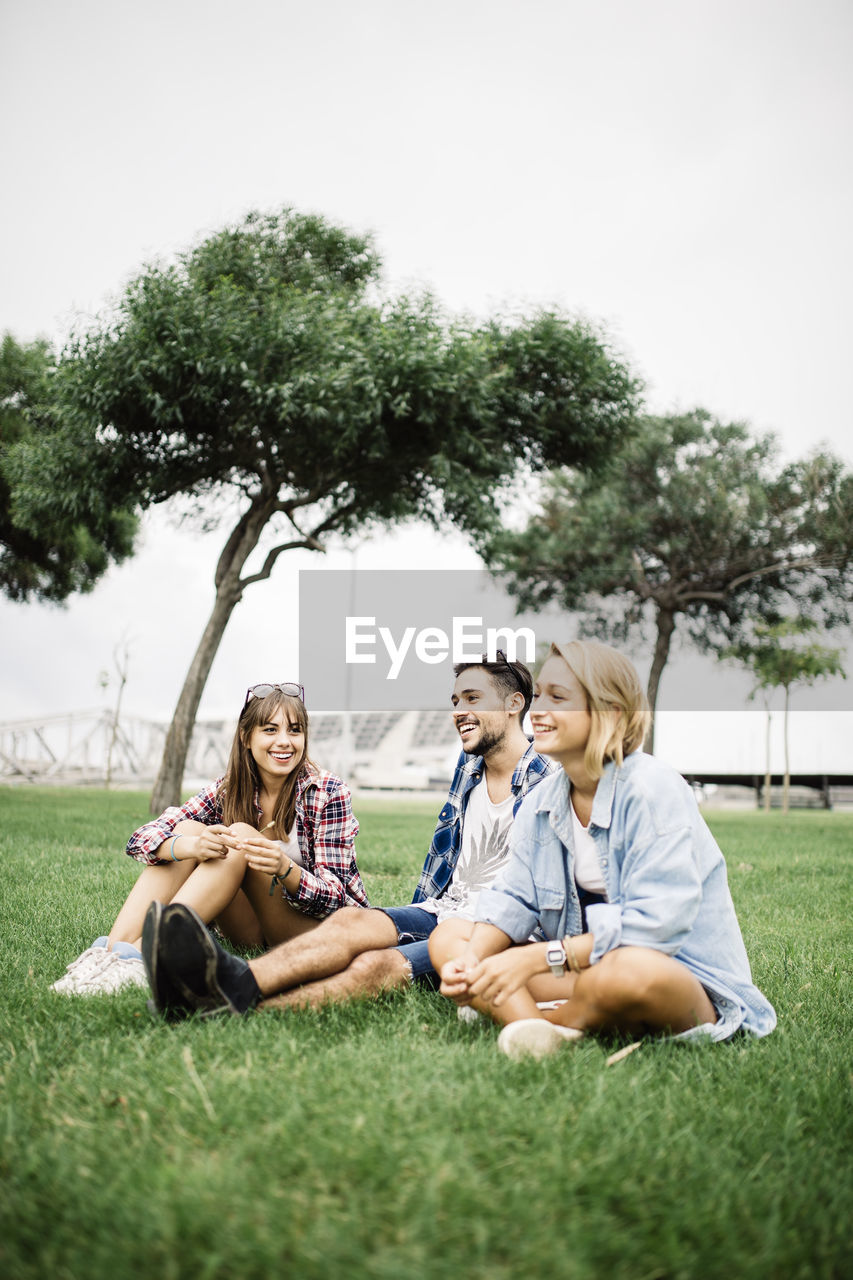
(243,829)
(448,939)
(649,985)
(626,979)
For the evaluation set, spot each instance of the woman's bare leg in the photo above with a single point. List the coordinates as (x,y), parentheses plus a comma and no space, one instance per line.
(206,886)
(636,989)
(239,923)
(278,920)
(633,989)
(447,941)
(158,883)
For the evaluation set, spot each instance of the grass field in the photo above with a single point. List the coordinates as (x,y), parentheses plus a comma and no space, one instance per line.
(385,1139)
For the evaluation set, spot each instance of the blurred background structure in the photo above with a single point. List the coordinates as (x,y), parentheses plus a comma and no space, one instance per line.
(413,752)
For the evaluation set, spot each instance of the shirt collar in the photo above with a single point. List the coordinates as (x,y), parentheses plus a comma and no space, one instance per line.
(554,799)
(519,773)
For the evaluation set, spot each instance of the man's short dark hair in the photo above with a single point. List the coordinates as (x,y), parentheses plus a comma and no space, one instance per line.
(509,677)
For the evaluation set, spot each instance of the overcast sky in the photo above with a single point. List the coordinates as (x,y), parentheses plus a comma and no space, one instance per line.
(678,171)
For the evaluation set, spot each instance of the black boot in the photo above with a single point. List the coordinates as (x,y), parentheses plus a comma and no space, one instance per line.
(208,978)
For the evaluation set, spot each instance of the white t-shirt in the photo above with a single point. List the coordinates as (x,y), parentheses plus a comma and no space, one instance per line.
(485,848)
(587,867)
(291,847)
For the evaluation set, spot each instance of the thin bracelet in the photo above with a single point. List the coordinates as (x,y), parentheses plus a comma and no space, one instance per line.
(288,871)
(573,960)
(172,846)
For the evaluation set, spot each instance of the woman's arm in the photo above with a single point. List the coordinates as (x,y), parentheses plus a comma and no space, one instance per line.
(147,844)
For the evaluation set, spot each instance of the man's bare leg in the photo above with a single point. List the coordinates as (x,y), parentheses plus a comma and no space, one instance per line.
(368,974)
(325,951)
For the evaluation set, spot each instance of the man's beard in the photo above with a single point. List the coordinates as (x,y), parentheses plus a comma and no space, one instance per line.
(489,741)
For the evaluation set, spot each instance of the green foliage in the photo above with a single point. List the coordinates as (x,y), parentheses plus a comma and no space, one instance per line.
(778,660)
(64,548)
(260,359)
(384,1138)
(694,521)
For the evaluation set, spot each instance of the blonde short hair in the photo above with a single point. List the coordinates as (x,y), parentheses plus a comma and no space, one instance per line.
(617,703)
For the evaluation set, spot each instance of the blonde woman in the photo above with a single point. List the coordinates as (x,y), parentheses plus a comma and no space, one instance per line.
(267,851)
(615,872)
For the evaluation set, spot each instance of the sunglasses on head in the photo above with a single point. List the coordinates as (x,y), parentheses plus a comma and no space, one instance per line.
(264,690)
(500,659)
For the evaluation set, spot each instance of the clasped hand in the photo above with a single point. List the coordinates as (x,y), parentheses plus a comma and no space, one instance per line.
(271,857)
(494,979)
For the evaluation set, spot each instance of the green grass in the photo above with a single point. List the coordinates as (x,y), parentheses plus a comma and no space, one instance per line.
(384,1139)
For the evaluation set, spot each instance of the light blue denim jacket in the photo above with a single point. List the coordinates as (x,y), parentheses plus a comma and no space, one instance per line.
(665,877)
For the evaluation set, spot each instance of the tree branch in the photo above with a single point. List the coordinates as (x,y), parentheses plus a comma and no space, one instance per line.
(307,544)
(307,541)
(231,549)
(307,499)
(781,566)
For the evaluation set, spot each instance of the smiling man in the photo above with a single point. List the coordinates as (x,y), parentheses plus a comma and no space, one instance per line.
(362,951)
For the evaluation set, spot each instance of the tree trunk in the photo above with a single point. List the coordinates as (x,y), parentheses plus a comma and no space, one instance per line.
(665,628)
(241,543)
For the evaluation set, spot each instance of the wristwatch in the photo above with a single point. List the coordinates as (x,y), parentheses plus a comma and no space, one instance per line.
(555,957)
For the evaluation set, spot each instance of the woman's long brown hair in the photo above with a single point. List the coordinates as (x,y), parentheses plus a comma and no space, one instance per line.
(241,781)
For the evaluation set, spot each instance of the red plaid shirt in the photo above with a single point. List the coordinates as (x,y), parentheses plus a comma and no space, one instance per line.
(325,828)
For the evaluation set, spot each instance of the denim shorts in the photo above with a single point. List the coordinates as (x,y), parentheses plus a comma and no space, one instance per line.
(414,925)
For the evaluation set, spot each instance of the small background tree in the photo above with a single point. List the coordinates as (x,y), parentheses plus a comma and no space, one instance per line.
(694,524)
(121,663)
(778,659)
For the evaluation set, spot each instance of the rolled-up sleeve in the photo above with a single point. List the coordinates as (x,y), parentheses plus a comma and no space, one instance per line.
(329,878)
(144,844)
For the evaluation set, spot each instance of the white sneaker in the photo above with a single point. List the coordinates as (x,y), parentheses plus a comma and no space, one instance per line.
(89,963)
(535,1038)
(122,971)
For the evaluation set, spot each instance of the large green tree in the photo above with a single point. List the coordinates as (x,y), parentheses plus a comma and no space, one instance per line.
(695,525)
(263,375)
(63,549)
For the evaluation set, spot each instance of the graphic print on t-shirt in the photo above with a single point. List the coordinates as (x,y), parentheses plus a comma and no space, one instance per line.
(485,847)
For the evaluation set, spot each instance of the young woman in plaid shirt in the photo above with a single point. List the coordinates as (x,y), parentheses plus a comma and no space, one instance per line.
(267,851)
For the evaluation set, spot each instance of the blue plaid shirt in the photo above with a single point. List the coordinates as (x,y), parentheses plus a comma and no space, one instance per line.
(447,842)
